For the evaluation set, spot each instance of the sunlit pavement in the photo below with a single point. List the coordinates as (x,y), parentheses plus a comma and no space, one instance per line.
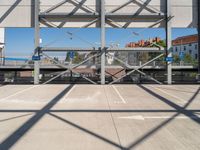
(91,117)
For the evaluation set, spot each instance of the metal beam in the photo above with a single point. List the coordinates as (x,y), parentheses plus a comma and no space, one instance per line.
(89,16)
(69,15)
(138,49)
(63,49)
(135,16)
(169,41)
(103,42)
(94,49)
(37,42)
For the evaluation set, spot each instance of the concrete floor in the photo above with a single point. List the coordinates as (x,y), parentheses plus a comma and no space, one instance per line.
(92,117)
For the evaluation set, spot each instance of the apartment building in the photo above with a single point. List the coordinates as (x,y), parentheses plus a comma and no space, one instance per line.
(186,45)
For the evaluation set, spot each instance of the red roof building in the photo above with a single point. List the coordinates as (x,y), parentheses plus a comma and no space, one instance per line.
(185,40)
(144,43)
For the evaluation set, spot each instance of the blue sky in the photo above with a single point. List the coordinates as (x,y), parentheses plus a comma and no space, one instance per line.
(20,41)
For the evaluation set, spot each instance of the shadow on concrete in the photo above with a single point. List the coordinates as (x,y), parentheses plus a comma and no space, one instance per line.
(181,110)
(77,7)
(6,14)
(1,85)
(21,131)
(98,111)
(88,131)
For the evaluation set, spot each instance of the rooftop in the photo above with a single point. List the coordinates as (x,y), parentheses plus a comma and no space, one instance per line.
(185,40)
(99,117)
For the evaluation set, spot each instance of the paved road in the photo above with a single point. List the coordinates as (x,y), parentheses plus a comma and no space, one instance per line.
(142,117)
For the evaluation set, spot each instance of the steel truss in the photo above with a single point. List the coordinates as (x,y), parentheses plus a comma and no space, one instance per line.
(70,68)
(103,18)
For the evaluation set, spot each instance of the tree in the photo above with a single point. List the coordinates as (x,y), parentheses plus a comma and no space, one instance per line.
(67,57)
(77,58)
(188,58)
(161,43)
(176,58)
(154,54)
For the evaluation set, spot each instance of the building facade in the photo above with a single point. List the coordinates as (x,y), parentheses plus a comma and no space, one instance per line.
(2,44)
(136,58)
(186,45)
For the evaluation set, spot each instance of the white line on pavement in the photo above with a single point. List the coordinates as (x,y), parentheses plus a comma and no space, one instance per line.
(140,117)
(19,92)
(182,100)
(69,92)
(122,99)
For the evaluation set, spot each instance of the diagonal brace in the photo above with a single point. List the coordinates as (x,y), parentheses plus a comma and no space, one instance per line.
(136,69)
(69,69)
(122,62)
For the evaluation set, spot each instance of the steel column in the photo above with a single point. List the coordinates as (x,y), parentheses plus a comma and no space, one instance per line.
(168,40)
(37,42)
(103,54)
(198,39)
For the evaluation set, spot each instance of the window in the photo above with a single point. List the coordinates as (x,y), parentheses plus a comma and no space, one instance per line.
(190,52)
(190,44)
(196,56)
(196,46)
(184,48)
(176,49)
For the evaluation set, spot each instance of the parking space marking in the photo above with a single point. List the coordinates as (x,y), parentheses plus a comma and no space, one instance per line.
(174,96)
(140,117)
(69,92)
(120,96)
(19,92)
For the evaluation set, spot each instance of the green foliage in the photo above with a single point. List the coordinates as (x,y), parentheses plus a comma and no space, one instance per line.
(188,58)
(115,62)
(77,58)
(154,54)
(161,43)
(176,58)
(67,57)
